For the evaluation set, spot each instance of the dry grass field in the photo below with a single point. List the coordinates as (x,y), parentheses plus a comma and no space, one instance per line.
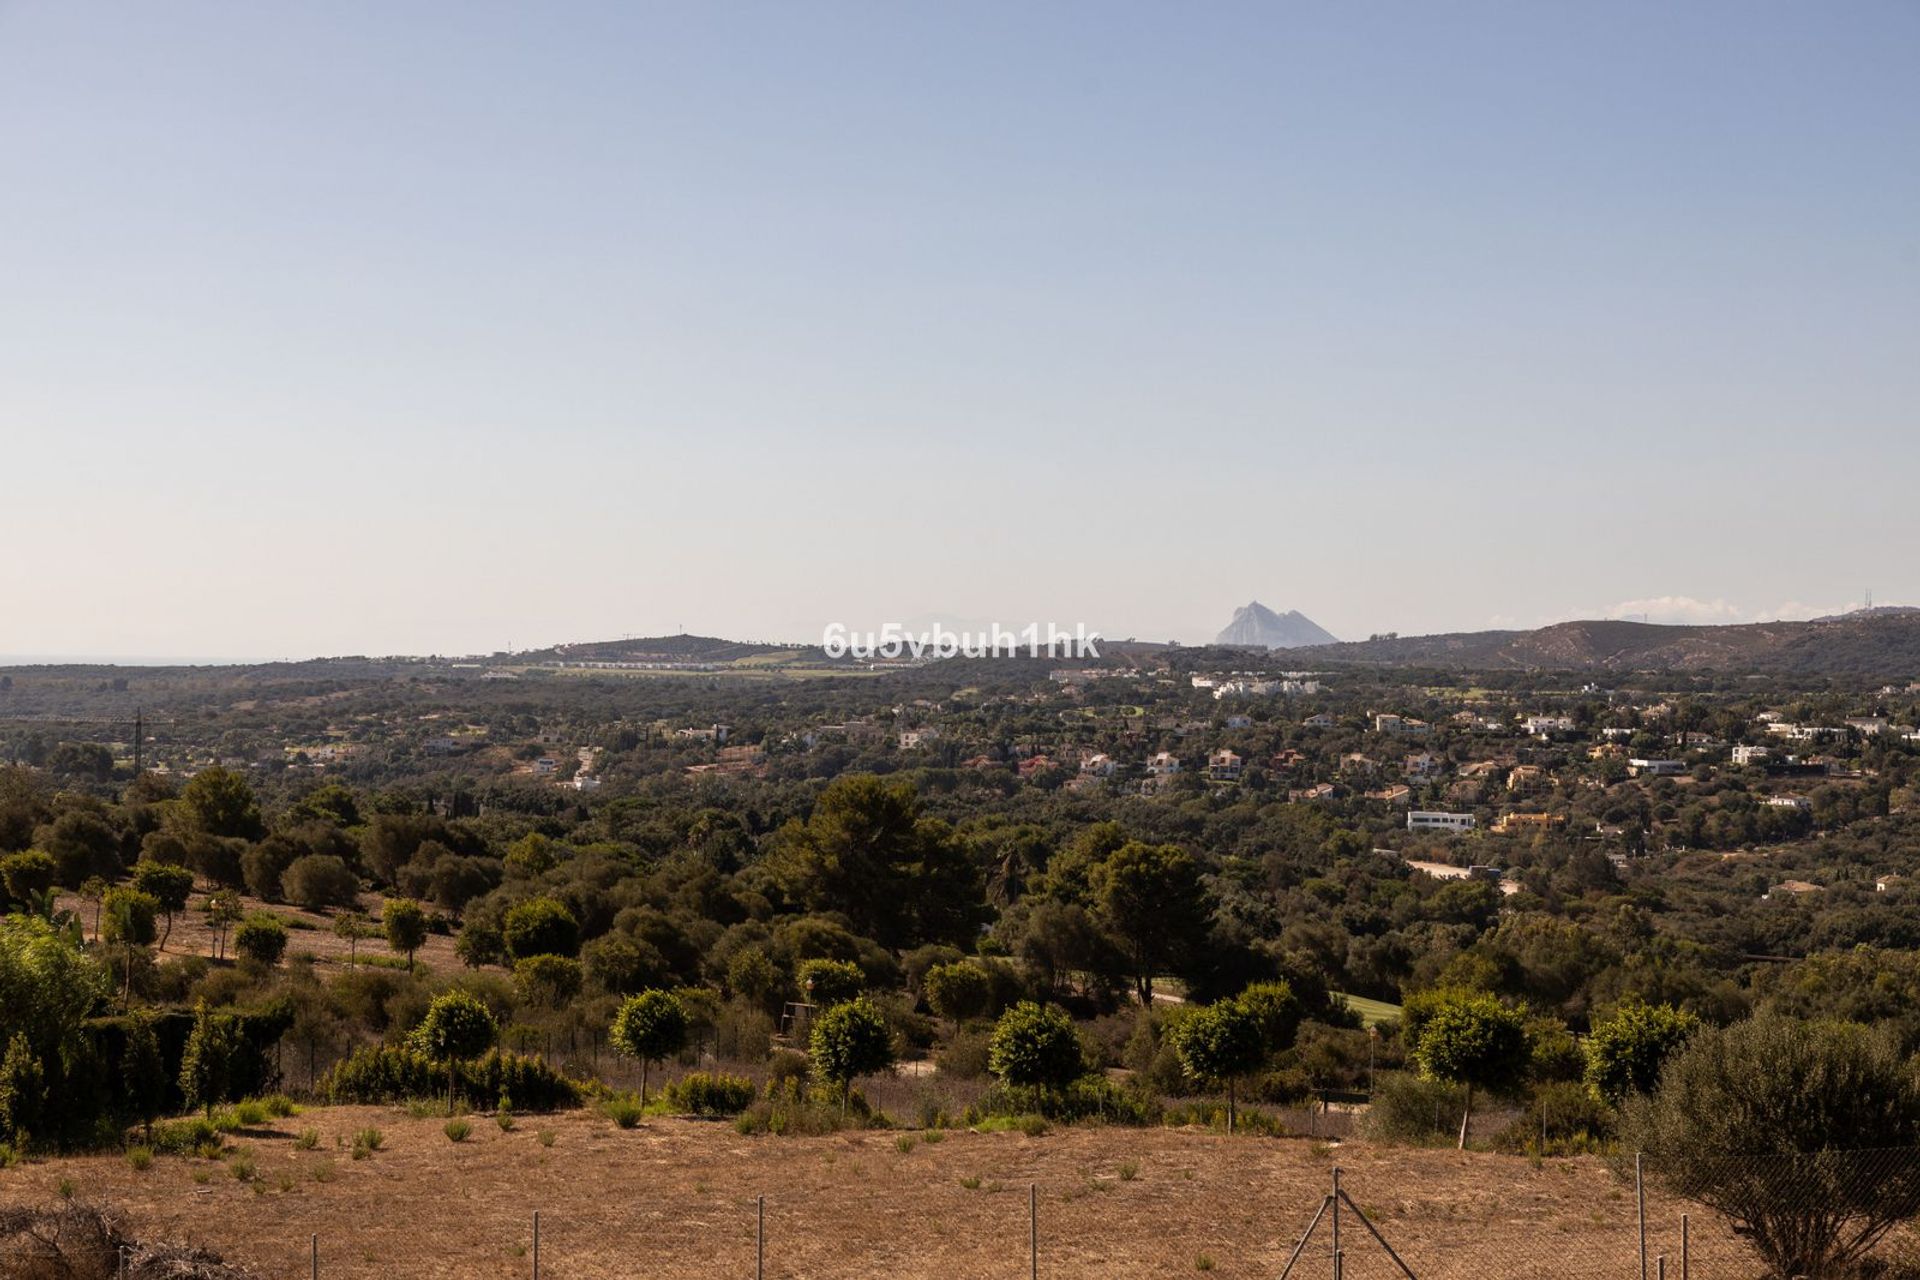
(676,1198)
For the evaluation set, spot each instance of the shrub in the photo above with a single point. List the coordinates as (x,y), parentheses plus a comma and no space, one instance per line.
(457,1130)
(959,991)
(319,880)
(1562,1118)
(458,1028)
(185,1137)
(701,1094)
(541,927)
(1744,1121)
(261,939)
(649,1026)
(139,1159)
(307,1141)
(380,1074)
(369,1139)
(1407,1109)
(1627,1048)
(848,1041)
(829,982)
(624,1109)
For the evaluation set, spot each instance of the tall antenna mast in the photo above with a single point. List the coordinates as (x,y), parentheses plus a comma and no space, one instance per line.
(139,740)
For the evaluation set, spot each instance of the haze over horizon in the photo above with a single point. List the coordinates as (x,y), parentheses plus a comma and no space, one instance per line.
(347,329)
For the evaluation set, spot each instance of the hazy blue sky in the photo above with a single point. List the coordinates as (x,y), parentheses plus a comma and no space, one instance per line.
(435,327)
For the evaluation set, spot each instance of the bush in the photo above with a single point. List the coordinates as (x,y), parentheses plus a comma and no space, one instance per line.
(185,1137)
(829,982)
(1562,1119)
(261,939)
(380,1074)
(965,1055)
(624,1109)
(541,927)
(701,1094)
(457,1130)
(1409,1110)
(319,880)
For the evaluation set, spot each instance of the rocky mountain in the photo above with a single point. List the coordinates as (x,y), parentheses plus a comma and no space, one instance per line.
(1879,646)
(1256,626)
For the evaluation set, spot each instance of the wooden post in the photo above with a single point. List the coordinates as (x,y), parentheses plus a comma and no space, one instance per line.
(1033,1231)
(1334,1199)
(1640,1198)
(1683,1247)
(536,1244)
(313,1256)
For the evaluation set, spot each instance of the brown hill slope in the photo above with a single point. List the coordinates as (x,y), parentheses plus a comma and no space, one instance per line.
(1878,645)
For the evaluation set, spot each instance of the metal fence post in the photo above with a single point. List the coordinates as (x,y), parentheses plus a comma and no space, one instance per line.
(1640,1198)
(1663,1266)
(1033,1230)
(1683,1247)
(760,1243)
(1334,1199)
(536,1244)
(313,1255)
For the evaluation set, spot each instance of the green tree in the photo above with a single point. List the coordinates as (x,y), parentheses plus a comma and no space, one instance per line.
(26,876)
(405,924)
(849,1041)
(352,926)
(541,927)
(1467,1038)
(649,1027)
(458,1028)
(959,991)
(23,1092)
(1034,1046)
(170,886)
(1627,1048)
(1217,1044)
(548,981)
(829,982)
(94,889)
(224,910)
(1277,1010)
(1149,897)
(129,921)
(1765,1121)
(210,1060)
(48,987)
(320,880)
(143,1073)
(866,851)
(261,939)
(220,803)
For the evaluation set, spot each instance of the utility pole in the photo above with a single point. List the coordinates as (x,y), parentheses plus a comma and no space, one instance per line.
(139,740)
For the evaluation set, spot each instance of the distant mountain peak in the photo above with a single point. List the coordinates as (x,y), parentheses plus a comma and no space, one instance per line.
(1256,626)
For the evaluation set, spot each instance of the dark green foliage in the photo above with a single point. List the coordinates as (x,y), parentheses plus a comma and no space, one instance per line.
(541,927)
(699,1093)
(1743,1116)
(959,991)
(319,880)
(394,1073)
(405,926)
(220,803)
(867,852)
(1470,1039)
(208,1063)
(849,1041)
(824,983)
(170,887)
(1218,1044)
(23,1092)
(548,982)
(26,876)
(261,939)
(1035,1046)
(1626,1050)
(649,1027)
(1150,899)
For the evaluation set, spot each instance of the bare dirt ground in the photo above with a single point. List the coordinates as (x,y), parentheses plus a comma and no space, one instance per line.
(678,1198)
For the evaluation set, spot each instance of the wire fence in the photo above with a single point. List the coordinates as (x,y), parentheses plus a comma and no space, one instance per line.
(1828,1216)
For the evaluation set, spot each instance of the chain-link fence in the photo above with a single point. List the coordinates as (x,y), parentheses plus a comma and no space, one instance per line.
(896,1205)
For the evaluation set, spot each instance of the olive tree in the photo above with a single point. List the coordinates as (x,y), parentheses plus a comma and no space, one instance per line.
(849,1041)
(458,1028)
(1034,1046)
(649,1027)
(959,991)
(1768,1122)
(261,939)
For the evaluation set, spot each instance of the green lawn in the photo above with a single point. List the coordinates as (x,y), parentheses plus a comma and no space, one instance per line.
(1373,1012)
